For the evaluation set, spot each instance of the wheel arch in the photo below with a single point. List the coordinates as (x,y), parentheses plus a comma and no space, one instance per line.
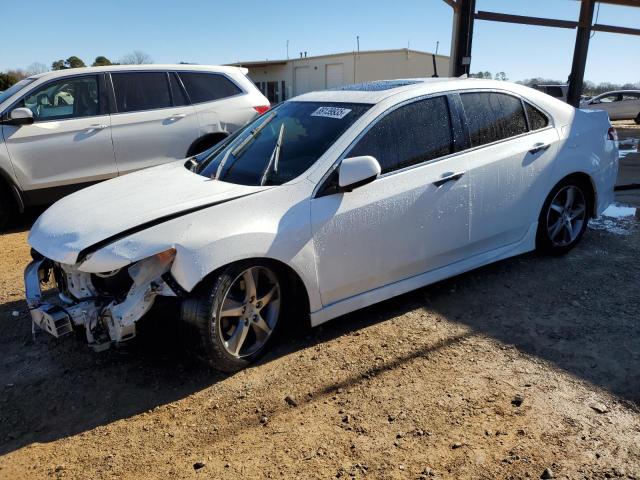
(293,280)
(587,181)
(205,141)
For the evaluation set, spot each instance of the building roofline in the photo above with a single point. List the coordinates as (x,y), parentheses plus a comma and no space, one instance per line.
(329,55)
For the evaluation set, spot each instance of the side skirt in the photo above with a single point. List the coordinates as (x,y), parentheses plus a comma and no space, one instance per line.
(527,244)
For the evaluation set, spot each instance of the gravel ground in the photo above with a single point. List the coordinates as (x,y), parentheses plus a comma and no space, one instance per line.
(526,365)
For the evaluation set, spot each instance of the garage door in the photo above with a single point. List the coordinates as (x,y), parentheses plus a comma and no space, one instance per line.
(302,80)
(335,75)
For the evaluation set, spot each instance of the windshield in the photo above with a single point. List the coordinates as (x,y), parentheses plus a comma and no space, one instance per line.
(15,88)
(281,144)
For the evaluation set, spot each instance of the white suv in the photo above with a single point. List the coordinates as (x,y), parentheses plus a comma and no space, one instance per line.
(66,129)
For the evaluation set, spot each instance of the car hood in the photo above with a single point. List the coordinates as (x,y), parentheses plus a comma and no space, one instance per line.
(97,214)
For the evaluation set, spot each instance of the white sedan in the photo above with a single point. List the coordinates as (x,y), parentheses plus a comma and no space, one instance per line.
(330,202)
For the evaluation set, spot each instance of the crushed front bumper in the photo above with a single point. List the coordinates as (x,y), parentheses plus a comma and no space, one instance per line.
(105,319)
(56,319)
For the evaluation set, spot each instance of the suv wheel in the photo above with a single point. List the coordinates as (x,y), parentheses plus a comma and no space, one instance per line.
(5,209)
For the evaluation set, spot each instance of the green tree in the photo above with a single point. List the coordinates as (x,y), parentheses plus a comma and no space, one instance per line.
(501,76)
(481,75)
(6,80)
(74,62)
(58,65)
(101,61)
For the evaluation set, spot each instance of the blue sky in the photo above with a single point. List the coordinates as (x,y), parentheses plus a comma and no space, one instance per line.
(210,31)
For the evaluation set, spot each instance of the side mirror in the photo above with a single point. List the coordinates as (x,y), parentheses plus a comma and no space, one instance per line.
(357,171)
(20,116)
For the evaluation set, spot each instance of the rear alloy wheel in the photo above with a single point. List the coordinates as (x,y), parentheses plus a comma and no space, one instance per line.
(564,218)
(237,317)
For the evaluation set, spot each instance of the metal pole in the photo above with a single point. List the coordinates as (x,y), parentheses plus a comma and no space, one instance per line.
(576,78)
(462,37)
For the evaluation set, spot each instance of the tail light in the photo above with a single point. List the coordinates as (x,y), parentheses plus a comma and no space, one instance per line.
(612,134)
(261,108)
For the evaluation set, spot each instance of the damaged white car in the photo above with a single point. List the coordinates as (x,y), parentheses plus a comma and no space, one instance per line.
(328,203)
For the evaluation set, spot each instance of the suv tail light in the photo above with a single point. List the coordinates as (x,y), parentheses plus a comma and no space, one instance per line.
(612,134)
(261,108)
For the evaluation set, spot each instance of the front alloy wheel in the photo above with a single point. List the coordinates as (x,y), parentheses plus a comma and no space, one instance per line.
(249,312)
(231,320)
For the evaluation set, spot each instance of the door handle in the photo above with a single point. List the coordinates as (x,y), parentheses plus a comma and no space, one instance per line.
(539,147)
(448,177)
(177,115)
(93,128)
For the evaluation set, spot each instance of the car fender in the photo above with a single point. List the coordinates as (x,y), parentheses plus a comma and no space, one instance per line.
(274,225)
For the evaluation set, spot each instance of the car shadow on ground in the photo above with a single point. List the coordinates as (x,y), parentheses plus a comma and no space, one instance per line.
(577,312)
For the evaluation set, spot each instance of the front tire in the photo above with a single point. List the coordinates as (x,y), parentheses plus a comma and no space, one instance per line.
(637,119)
(564,217)
(233,319)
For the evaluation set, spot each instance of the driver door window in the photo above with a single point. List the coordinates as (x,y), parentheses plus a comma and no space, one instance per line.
(609,99)
(67,98)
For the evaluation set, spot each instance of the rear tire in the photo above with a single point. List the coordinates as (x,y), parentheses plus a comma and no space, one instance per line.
(231,320)
(564,217)
(637,119)
(6,210)
(205,143)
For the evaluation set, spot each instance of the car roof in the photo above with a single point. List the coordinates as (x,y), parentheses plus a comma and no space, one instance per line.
(614,92)
(379,90)
(146,67)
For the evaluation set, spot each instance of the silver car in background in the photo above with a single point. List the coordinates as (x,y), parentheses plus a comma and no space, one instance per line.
(619,104)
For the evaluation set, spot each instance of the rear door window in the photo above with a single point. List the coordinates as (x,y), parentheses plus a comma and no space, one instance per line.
(137,91)
(493,116)
(207,87)
(410,135)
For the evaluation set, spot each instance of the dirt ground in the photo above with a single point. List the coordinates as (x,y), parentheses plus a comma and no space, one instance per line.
(529,364)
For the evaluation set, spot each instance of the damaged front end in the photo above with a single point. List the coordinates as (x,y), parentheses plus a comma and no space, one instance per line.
(107,305)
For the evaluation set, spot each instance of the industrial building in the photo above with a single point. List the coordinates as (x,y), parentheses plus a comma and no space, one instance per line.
(282,79)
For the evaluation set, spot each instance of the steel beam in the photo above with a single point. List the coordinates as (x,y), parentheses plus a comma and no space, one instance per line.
(524,20)
(576,78)
(462,37)
(598,27)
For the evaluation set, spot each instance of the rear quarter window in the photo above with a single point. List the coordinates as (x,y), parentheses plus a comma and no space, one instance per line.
(537,119)
(207,87)
(493,116)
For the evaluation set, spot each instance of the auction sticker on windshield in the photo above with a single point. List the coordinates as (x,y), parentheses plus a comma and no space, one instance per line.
(331,112)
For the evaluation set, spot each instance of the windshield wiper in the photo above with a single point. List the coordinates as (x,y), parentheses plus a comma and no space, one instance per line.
(275,155)
(242,145)
(252,136)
